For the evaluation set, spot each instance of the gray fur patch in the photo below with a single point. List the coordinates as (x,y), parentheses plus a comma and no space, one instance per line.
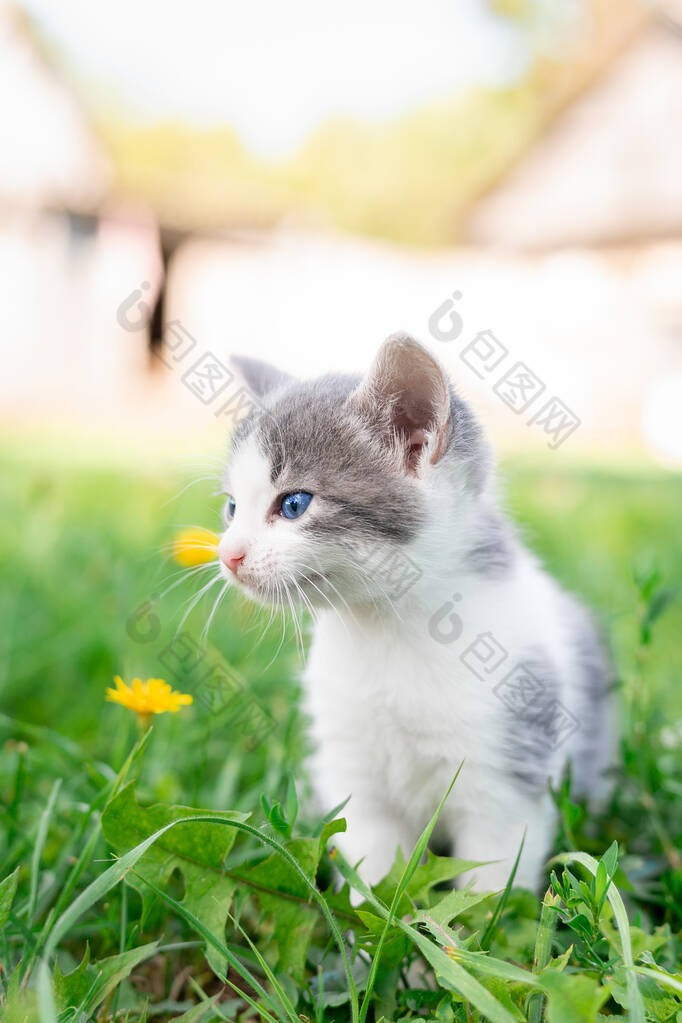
(468,447)
(595,747)
(530,693)
(493,553)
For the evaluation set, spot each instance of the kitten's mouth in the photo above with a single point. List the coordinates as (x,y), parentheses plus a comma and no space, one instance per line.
(304,588)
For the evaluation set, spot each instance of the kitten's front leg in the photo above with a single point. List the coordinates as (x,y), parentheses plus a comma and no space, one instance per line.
(494,829)
(373,830)
(373,835)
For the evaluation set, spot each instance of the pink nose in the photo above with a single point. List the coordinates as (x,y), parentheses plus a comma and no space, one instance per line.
(233,561)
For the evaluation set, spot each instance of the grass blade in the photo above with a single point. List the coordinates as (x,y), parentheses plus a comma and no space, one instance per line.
(499,909)
(449,973)
(226,953)
(38,848)
(413,863)
(543,950)
(47,1010)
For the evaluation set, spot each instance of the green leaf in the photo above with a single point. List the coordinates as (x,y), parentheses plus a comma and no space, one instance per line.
(110,877)
(481,962)
(601,881)
(285,897)
(278,820)
(8,889)
(610,859)
(436,870)
(448,972)
(90,984)
(636,1005)
(197,849)
(395,947)
(661,977)
(292,801)
(500,989)
(572,998)
(72,988)
(451,905)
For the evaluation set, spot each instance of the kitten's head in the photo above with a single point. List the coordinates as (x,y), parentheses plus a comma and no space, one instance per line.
(335,475)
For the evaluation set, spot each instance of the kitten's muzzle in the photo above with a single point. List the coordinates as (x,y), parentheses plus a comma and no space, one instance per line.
(231,551)
(232,561)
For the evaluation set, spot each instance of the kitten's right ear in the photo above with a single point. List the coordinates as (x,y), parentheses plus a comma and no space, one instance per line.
(406,395)
(259,377)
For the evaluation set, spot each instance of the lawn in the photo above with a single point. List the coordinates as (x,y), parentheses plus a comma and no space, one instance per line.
(235,916)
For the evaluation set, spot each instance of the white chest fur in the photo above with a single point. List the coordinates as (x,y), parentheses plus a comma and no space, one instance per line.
(398,703)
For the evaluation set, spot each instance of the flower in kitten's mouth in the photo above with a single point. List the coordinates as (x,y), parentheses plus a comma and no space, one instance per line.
(195,546)
(146,698)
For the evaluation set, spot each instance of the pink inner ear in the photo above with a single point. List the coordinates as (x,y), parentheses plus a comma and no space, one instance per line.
(416,439)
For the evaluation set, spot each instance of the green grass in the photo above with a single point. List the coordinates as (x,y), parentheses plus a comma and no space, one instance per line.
(247,900)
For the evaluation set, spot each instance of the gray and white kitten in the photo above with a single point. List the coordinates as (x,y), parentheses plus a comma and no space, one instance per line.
(438,637)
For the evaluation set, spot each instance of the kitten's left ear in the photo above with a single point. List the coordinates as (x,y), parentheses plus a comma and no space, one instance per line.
(406,393)
(259,377)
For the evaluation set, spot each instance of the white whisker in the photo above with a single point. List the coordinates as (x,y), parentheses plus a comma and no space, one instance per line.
(196,600)
(185,573)
(207,626)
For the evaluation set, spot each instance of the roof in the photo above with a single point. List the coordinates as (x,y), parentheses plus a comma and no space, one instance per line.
(609,168)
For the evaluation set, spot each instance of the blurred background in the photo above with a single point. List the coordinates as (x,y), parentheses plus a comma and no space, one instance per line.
(178,182)
(501,178)
(296,186)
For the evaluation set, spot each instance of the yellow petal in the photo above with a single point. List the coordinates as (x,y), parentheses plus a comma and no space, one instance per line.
(195,547)
(114,696)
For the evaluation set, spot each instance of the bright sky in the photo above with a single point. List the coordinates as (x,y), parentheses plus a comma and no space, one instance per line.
(275,70)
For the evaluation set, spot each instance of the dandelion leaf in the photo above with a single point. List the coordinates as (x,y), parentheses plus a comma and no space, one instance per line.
(197,849)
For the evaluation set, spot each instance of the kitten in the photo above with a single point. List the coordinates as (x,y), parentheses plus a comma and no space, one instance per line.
(438,637)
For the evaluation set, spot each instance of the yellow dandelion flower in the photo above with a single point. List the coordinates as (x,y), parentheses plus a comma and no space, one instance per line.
(195,547)
(146,698)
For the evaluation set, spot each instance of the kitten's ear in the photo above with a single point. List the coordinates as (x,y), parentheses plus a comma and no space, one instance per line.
(406,394)
(259,377)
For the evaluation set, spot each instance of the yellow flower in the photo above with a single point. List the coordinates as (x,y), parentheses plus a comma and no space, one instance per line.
(146,698)
(195,547)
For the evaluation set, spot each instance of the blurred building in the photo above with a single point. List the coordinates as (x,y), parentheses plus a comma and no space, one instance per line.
(605,183)
(608,171)
(573,260)
(51,158)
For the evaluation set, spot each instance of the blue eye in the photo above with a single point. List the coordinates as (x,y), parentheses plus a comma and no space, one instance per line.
(293,505)
(230,508)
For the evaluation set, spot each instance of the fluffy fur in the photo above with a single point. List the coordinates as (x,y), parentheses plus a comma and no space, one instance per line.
(414,576)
